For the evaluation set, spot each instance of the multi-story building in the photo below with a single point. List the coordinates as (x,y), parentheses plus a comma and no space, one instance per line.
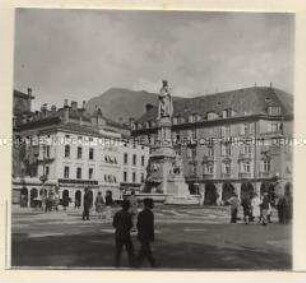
(68,149)
(233,141)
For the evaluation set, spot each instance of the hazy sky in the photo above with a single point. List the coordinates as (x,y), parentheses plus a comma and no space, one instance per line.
(78,54)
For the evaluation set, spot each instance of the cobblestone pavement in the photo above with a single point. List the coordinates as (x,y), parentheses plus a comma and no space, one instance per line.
(186,237)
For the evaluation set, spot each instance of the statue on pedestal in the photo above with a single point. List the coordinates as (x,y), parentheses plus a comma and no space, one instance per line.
(165,107)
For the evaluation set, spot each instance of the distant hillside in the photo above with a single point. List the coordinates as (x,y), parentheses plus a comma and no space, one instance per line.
(120,104)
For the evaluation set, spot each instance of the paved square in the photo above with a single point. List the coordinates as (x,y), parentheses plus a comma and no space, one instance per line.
(186,238)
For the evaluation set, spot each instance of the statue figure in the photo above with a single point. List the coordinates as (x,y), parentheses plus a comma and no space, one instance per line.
(165,108)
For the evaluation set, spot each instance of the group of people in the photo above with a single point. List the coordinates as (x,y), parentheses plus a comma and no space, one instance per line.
(259,209)
(123,223)
(102,206)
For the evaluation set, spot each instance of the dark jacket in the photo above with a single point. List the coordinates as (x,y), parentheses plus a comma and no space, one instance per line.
(122,222)
(87,199)
(265,202)
(145,225)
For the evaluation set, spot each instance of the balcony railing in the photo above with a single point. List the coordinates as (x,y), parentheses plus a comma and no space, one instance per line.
(208,175)
(226,175)
(244,174)
(265,174)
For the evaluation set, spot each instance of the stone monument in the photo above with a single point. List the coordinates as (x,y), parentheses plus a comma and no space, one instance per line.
(165,169)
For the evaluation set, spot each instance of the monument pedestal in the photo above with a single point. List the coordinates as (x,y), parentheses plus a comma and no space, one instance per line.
(165,169)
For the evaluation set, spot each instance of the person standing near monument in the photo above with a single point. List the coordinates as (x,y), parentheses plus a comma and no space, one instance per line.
(87,204)
(145,227)
(122,222)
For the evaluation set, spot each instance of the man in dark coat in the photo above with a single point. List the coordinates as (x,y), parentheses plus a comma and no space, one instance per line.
(122,222)
(87,204)
(145,227)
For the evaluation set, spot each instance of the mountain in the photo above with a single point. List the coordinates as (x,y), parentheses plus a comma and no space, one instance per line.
(119,104)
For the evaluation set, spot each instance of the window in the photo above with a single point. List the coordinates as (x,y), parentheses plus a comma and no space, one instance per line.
(67,150)
(125,161)
(79,152)
(134,159)
(47,171)
(226,131)
(247,167)
(226,168)
(134,177)
(210,169)
(211,151)
(274,110)
(91,153)
(266,165)
(142,178)
(245,129)
(66,172)
(142,160)
(124,176)
(90,173)
(275,127)
(79,173)
(226,149)
(212,116)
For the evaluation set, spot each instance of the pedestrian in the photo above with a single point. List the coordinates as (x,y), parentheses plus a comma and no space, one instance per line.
(108,206)
(234,202)
(99,203)
(255,204)
(122,222)
(86,204)
(280,209)
(145,227)
(133,209)
(247,209)
(56,198)
(288,207)
(265,208)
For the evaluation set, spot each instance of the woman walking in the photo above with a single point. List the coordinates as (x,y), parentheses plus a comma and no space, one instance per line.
(99,203)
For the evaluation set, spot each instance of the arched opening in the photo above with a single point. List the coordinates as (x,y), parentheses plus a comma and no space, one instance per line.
(24,195)
(33,197)
(211,194)
(247,190)
(269,187)
(77,198)
(109,197)
(228,191)
(65,199)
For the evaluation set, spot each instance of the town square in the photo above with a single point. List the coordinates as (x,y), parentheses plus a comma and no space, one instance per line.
(157,155)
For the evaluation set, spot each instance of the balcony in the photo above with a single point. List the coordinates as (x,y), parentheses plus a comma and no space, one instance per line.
(208,175)
(208,158)
(265,174)
(244,175)
(244,156)
(226,175)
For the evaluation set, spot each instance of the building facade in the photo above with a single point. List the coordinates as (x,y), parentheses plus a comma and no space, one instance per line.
(238,141)
(70,150)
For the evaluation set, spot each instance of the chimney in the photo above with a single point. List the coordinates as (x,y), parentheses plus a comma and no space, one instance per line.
(148,106)
(66,111)
(53,108)
(271,85)
(44,109)
(84,104)
(74,105)
(29,92)
(132,123)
